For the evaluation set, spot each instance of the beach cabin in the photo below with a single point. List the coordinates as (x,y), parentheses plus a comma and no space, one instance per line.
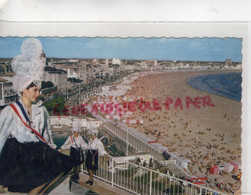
(229,167)
(221,168)
(237,165)
(183,163)
(214,169)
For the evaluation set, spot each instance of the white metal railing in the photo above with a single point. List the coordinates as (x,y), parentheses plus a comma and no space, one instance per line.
(141,180)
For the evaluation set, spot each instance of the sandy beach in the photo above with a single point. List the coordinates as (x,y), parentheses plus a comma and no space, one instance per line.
(196,125)
(207,134)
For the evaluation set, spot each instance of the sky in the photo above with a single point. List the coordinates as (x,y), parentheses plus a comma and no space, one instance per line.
(190,49)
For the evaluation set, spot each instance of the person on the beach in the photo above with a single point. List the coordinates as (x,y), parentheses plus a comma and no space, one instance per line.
(95,149)
(77,145)
(28,161)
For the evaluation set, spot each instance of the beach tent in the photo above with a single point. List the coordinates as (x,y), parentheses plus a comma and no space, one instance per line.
(193,179)
(221,167)
(229,167)
(202,178)
(183,163)
(214,169)
(237,165)
(199,182)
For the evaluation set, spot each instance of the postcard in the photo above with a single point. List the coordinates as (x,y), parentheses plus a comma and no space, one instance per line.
(177,97)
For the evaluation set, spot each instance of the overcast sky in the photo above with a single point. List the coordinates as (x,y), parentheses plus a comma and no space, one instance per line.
(196,49)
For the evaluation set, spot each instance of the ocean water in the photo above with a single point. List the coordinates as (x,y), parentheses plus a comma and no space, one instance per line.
(225,84)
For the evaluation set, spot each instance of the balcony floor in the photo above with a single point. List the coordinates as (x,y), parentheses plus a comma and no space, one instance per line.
(99,187)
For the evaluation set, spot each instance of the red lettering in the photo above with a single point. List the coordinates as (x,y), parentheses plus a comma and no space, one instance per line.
(168,102)
(188,101)
(142,106)
(66,111)
(95,108)
(207,101)
(118,109)
(83,110)
(125,107)
(102,107)
(75,110)
(109,108)
(197,102)
(131,106)
(156,105)
(178,103)
(56,110)
(148,106)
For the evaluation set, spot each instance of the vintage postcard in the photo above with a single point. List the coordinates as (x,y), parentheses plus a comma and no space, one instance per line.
(92,101)
(167,108)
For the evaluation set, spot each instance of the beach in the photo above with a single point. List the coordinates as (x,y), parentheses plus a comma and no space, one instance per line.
(193,124)
(197,125)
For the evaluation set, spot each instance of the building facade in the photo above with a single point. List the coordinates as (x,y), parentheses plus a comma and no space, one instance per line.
(57,76)
(7,94)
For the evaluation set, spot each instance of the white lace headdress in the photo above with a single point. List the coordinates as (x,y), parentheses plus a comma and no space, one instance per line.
(75,126)
(93,131)
(28,66)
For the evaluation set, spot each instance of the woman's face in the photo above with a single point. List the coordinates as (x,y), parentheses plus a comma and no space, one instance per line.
(93,136)
(32,93)
(75,133)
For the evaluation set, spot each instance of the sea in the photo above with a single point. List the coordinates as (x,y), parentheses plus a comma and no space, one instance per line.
(224,84)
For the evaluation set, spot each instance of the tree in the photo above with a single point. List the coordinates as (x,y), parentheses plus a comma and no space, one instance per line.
(46,84)
(55,103)
(74,80)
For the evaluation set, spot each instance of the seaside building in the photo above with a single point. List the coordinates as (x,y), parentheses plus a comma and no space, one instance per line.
(116,61)
(5,68)
(56,76)
(7,94)
(130,67)
(229,62)
(82,73)
(71,73)
(43,57)
(89,72)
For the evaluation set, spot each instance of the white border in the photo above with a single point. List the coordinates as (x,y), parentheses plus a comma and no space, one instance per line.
(120,27)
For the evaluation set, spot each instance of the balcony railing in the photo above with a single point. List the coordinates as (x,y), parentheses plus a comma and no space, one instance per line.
(141,180)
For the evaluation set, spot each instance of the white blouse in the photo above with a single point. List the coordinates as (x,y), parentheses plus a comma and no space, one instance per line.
(96,144)
(70,143)
(11,125)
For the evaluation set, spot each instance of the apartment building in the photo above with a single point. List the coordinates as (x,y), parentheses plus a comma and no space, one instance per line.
(7,94)
(57,76)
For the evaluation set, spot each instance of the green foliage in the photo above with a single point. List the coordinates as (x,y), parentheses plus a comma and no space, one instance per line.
(46,84)
(56,105)
(74,80)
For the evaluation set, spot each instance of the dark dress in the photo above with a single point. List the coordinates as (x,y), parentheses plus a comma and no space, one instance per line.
(24,166)
(92,160)
(77,156)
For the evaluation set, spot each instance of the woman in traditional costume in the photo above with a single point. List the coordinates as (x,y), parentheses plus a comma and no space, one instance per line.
(28,160)
(77,145)
(95,149)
